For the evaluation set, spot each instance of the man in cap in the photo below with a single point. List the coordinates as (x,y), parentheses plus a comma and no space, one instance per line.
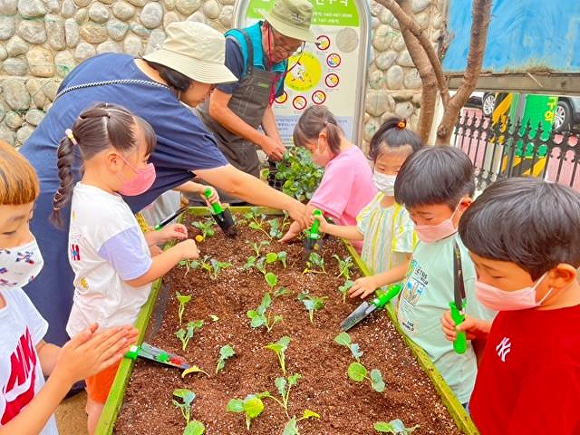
(258,56)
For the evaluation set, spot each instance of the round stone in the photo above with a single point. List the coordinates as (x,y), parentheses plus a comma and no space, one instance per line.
(420,5)
(99,13)
(404,59)
(133,46)
(382,38)
(152,15)
(41,62)
(71,32)
(187,7)
(155,40)
(7,135)
(7,27)
(169,18)
(55,32)
(50,88)
(376,79)
(15,66)
(139,30)
(15,94)
(13,120)
(82,16)
(117,29)
(109,2)
(370,128)
(169,5)
(437,22)
(398,43)
(84,51)
(82,3)
(65,63)
(32,31)
(375,22)
(31,8)
(423,20)
(109,47)
(378,102)
(34,87)
(68,9)
(8,7)
(138,3)
(52,6)
(198,17)
(225,17)
(395,24)
(376,8)
(395,77)
(16,46)
(24,133)
(413,79)
(386,60)
(386,17)
(211,9)
(3,53)
(386,116)
(123,10)
(93,33)
(404,109)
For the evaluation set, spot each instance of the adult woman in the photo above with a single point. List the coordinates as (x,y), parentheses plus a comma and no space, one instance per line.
(156,88)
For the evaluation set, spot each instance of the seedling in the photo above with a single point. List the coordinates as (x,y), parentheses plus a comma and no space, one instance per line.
(217,267)
(280,349)
(260,316)
(396,427)
(344,340)
(284,385)
(206,227)
(194,428)
(344,266)
(187,397)
(271,279)
(252,406)
(312,303)
(358,373)
(276,231)
(226,352)
(281,256)
(261,265)
(183,300)
(256,220)
(291,427)
(189,264)
(345,288)
(202,264)
(257,247)
(299,175)
(315,261)
(187,334)
(282,291)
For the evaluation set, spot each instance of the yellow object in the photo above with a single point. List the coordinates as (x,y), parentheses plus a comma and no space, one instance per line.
(142,222)
(199,238)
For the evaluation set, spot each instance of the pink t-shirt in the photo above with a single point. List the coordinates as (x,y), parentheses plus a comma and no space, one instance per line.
(346,187)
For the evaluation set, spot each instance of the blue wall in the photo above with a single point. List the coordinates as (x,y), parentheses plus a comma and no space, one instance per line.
(523,35)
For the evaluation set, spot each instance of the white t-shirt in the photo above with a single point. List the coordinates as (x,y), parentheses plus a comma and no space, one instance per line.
(106,248)
(425,298)
(21,329)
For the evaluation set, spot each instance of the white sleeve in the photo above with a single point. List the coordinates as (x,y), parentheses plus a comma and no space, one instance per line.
(37,324)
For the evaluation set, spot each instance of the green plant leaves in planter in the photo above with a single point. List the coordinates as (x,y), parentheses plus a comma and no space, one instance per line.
(226,352)
(271,278)
(344,340)
(280,349)
(377,381)
(187,397)
(291,427)
(396,427)
(357,372)
(252,406)
(259,317)
(194,428)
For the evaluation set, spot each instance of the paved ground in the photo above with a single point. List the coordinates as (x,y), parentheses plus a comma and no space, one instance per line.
(71,417)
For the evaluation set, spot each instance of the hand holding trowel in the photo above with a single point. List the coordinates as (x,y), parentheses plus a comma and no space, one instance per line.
(158,355)
(223,217)
(459,303)
(313,237)
(367,308)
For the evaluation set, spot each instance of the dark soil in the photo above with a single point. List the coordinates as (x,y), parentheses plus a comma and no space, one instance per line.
(345,407)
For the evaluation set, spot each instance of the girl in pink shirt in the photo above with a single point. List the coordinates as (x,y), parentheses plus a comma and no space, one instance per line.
(347,185)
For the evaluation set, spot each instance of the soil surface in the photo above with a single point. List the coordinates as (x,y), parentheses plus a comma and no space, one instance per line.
(345,407)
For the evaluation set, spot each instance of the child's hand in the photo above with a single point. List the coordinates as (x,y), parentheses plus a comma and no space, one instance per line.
(363,287)
(293,231)
(187,249)
(214,197)
(473,328)
(173,231)
(323,223)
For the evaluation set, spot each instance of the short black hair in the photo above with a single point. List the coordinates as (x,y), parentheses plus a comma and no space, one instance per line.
(435,175)
(526,221)
(393,133)
(174,79)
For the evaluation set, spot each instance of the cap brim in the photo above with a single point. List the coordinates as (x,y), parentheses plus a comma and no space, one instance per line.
(196,69)
(289,31)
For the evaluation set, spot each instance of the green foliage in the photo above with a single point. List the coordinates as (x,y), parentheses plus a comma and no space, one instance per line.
(256,221)
(281,256)
(194,428)
(345,288)
(358,373)
(344,340)
(226,352)
(312,303)
(187,334)
(257,247)
(187,397)
(280,348)
(271,279)
(206,227)
(260,316)
(183,300)
(291,427)
(344,266)
(252,406)
(300,175)
(396,427)
(217,267)
(282,291)
(315,264)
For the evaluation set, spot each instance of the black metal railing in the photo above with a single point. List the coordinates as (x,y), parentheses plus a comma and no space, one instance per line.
(508,149)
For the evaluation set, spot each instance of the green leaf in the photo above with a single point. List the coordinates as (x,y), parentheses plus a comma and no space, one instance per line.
(192,369)
(281,292)
(194,428)
(293,380)
(183,299)
(377,381)
(281,385)
(283,256)
(266,302)
(357,372)
(255,226)
(227,351)
(258,321)
(253,406)
(285,342)
(310,414)
(395,427)
(271,257)
(356,352)
(236,405)
(343,339)
(186,395)
(271,279)
(291,427)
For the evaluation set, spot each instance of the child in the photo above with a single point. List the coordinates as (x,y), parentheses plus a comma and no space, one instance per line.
(26,402)
(436,186)
(385,226)
(347,185)
(108,252)
(523,235)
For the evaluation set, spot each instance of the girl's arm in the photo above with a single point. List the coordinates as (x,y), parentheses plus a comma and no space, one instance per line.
(349,232)
(365,286)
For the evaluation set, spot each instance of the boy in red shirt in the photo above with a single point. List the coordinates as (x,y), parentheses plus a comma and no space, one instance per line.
(523,235)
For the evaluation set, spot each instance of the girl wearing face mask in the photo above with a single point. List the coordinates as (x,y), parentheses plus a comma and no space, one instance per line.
(26,401)
(384,225)
(109,254)
(347,185)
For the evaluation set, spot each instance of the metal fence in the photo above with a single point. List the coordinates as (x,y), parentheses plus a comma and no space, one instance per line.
(509,149)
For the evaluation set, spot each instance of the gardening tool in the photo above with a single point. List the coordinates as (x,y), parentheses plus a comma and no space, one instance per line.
(170,218)
(312,240)
(223,217)
(158,355)
(458,306)
(366,308)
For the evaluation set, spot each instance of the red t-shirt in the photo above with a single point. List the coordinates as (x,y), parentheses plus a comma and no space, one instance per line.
(529,377)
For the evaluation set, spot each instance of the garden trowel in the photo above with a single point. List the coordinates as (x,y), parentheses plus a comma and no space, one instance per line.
(169,218)
(313,237)
(223,217)
(158,355)
(459,303)
(366,308)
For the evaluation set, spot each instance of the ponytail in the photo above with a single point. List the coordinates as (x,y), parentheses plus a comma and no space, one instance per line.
(393,133)
(66,159)
(314,121)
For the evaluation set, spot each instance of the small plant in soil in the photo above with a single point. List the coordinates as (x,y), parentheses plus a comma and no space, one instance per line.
(271,279)
(257,247)
(312,303)
(396,427)
(280,348)
(187,334)
(344,266)
(291,427)
(315,264)
(183,301)
(299,174)
(284,385)
(226,352)
(257,220)
(345,288)
(281,256)
(217,267)
(282,291)
(260,316)
(278,227)
(187,397)
(189,264)
(358,373)
(344,340)
(252,406)
(194,428)
(207,227)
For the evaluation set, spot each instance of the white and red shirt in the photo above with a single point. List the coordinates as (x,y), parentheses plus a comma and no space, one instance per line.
(21,329)
(529,377)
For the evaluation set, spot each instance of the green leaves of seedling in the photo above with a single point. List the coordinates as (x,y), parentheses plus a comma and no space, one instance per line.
(260,316)
(345,288)
(186,334)
(315,264)
(396,427)
(344,266)
(257,247)
(187,397)
(256,219)
(252,406)
(344,340)
(226,352)
(312,303)
(358,373)
(292,426)
(280,349)
(183,300)
(299,174)
(271,278)
(194,428)
(282,291)
(217,267)
(377,381)
(206,227)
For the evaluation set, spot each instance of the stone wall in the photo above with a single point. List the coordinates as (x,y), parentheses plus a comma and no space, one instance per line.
(41,41)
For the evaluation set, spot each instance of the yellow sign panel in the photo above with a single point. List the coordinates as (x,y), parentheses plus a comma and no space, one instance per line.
(305,72)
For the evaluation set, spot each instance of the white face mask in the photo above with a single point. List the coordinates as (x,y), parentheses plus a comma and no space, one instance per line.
(20,265)
(500,300)
(385,183)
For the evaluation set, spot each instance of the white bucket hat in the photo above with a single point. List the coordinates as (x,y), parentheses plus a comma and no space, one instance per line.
(195,50)
(292,18)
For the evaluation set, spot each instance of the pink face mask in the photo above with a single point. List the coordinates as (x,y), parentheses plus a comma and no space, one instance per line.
(434,233)
(500,300)
(141,183)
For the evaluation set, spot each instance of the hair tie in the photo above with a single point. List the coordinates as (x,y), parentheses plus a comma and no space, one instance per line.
(70,135)
(402,124)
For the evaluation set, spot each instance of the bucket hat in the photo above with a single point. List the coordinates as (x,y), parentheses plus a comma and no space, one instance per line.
(292,18)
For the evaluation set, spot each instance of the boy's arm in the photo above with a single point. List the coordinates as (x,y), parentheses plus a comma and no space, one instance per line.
(365,286)
(48,354)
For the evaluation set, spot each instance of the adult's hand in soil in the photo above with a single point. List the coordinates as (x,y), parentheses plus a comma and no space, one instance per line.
(213,198)
(293,231)
(273,148)
(473,328)
(363,287)
(173,231)
(188,249)
(300,214)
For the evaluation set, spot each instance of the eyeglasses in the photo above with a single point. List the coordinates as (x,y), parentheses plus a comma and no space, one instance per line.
(284,43)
